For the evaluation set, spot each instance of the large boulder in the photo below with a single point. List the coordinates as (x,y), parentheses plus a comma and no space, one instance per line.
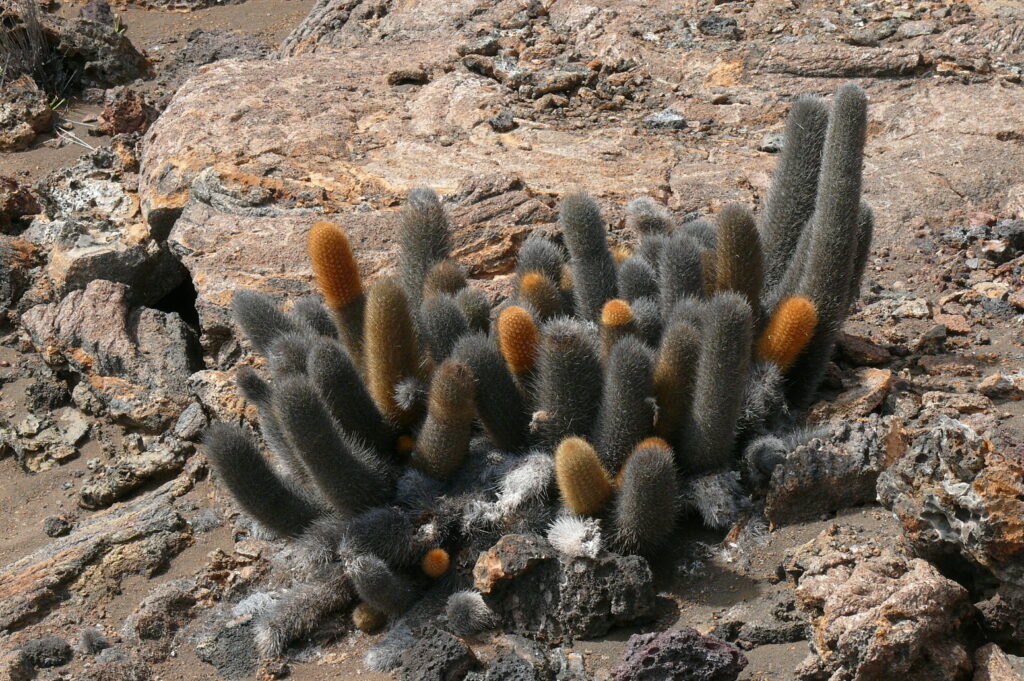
(136,361)
(956,495)
(878,614)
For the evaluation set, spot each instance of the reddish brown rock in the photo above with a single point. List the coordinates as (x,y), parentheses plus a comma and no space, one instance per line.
(955,494)
(872,387)
(16,202)
(992,664)
(878,615)
(125,111)
(135,360)
(861,351)
(954,323)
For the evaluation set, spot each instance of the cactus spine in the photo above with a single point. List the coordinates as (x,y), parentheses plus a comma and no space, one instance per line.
(337,276)
(788,332)
(444,440)
(392,352)
(582,480)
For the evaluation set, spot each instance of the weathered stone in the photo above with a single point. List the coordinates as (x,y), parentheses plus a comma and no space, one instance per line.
(231,648)
(24,113)
(90,562)
(836,470)
(870,390)
(767,620)
(1002,617)
(680,654)
(954,323)
(131,471)
(16,202)
(125,110)
(861,351)
(877,615)
(436,656)
(992,664)
(18,262)
(136,360)
(14,666)
(535,594)
(844,61)
(954,404)
(48,651)
(955,494)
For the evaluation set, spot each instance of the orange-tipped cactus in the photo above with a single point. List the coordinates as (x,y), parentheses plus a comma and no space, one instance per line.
(540,293)
(518,339)
(616,322)
(392,351)
(337,276)
(367,619)
(435,563)
(788,332)
(582,480)
(620,254)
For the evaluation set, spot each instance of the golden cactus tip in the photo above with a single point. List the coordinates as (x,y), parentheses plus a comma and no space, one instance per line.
(518,339)
(334,265)
(435,563)
(582,480)
(788,332)
(541,294)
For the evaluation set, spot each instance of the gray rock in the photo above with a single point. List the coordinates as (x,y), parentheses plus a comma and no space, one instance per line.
(130,471)
(771,142)
(57,526)
(681,654)
(835,470)
(534,593)
(956,495)
(667,119)
(231,649)
(163,612)
(48,651)
(913,29)
(191,423)
(436,656)
(720,27)
(135,360)
(768,620)
(24,113)
(1002,618)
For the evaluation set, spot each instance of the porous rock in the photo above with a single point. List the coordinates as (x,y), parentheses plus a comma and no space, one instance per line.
(835,470)
(126,110)
(680,654)
(135,360)
(436,656)
(992,664)
(48,651)
(131,471)
(536,594)
(955,494)
(16,201)
(877,614)
(767,620)
(230,648)
(24,113)
(1002,617)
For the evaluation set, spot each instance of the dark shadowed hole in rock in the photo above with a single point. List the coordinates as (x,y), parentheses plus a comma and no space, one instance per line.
(182,299)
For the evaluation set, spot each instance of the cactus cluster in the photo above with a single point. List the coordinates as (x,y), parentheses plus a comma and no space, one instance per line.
(409,424)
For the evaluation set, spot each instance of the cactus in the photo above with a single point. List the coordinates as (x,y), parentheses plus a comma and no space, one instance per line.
(674,373)
(582,479)
(616,323)
(788,332)
(569,380)
(392,352)
(627,407)
(518,339)
(367,619)
(444,278)
(423,241)
(337,276)
(442,323)
(498,403)
(540,294)
(433,436)
(593,270)
(444,440)
(254,484)
(645,511)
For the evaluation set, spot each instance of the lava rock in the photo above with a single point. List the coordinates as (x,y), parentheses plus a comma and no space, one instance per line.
(132,470)
(436,656)
(48,651)
(99,12)
(503,122)
(135,360)
(768,620)
(681,654)
(161,613)
(57,526)
(16,202)
(877,614)
(536,594)
(992,664)
(1002,618)
(835,470)
(231,649)
(720,27)
(24,113)
(125,110)
(19,261)
(955,494)
(667,119)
